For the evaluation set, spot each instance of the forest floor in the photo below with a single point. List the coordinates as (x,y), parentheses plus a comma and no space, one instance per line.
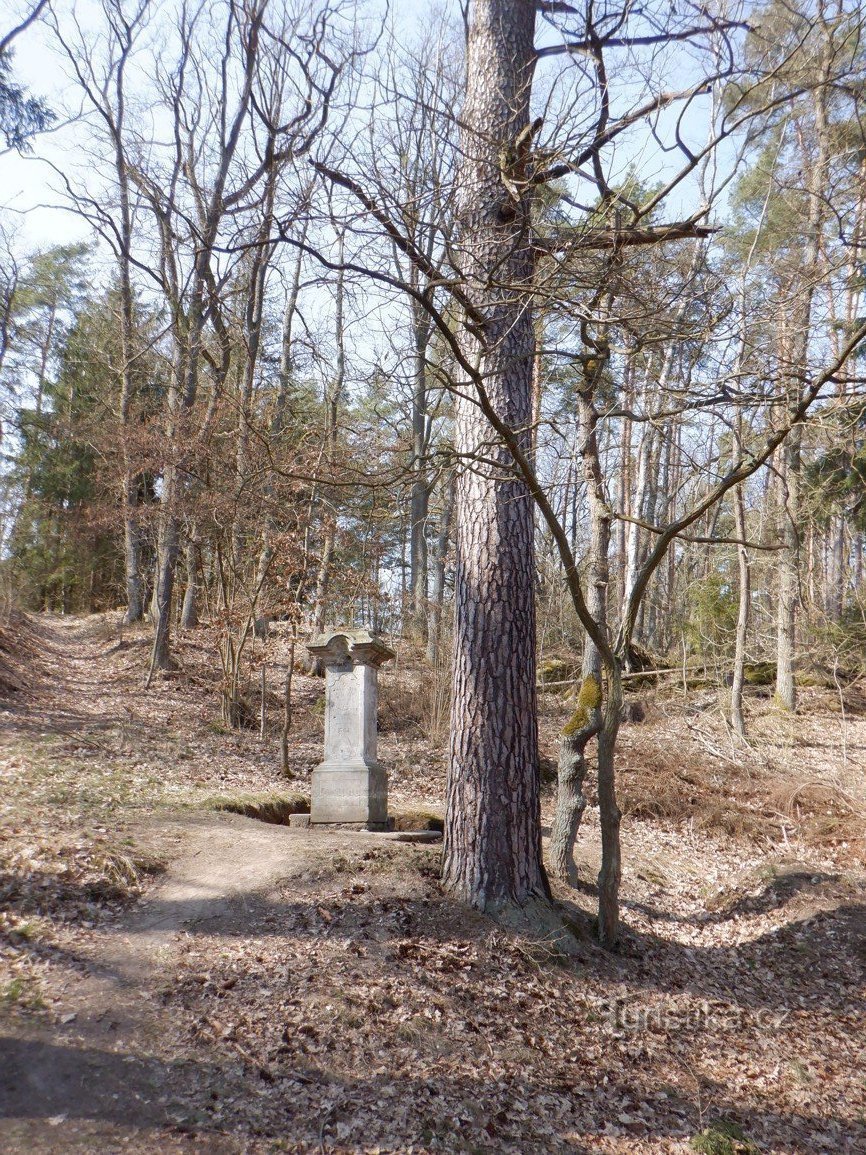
(177,978)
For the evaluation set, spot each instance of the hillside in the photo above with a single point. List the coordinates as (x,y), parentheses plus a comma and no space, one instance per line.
(176,977)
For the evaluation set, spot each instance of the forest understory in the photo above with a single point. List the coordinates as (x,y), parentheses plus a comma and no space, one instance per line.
(177,977)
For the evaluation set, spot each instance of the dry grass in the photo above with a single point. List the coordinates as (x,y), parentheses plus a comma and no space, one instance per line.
(354,1006)
(801,778)
(274,807)
(20,667)
(416,699)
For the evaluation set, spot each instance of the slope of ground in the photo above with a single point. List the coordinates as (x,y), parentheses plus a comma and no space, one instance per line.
(173,978)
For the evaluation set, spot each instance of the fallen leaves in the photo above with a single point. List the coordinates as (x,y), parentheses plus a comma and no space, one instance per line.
(354,1009)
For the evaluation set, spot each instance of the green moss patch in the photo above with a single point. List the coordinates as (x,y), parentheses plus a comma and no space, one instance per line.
(557,670)
(588,699)
(418,820)
(759,673)
(723,1138)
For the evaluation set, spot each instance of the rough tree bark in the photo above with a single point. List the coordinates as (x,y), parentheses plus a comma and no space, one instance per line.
(492,854)
(610,875)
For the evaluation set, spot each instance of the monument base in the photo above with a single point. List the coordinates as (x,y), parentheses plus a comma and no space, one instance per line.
(355,794)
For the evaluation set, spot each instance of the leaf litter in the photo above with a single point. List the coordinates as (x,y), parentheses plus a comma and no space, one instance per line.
(348,1006)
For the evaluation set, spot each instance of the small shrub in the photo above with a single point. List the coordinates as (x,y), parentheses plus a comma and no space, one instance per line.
(422,703)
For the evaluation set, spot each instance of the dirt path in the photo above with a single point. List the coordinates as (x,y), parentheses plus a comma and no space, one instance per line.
(109,1073)
(115,1072)
(277,990)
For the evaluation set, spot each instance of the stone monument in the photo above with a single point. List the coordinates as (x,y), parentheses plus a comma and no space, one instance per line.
(349,785)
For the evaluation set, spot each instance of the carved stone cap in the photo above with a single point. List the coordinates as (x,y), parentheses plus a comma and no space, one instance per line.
(342,645)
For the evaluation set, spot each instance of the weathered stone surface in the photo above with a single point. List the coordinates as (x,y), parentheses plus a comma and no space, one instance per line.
(349,794)
(341,645)
(349,785)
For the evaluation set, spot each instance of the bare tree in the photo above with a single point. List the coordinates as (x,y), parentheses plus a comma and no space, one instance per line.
(217,178)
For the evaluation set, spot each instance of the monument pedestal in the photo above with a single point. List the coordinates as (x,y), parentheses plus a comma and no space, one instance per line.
(349,785)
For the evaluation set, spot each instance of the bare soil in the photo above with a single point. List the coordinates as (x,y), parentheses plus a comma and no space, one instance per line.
(174,978)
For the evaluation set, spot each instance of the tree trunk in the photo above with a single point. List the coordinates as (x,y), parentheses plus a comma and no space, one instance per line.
(420,494)
(333,394)
(796,346)
(633,535)
(836,598)
(131,531)
(570,798)
(786,619)
(537,388)
(858,561)
(743,607)
(492,855)
(610,875)
(180,399)
(587,719)
(189,610)
(132,557)
(624,482)
(163,586)
(282,412)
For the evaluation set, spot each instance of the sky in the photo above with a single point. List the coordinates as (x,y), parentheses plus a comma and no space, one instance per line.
(30,190)
(27,183)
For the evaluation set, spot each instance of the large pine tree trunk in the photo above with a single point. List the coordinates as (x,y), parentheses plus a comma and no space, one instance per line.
(492,854)
(789,574)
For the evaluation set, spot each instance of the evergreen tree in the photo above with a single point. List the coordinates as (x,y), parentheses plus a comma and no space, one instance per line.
(63,548)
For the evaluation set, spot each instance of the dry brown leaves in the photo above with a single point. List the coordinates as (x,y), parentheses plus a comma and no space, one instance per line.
(355,1009)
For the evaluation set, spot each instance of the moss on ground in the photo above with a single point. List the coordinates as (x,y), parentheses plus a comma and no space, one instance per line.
(722,1137)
